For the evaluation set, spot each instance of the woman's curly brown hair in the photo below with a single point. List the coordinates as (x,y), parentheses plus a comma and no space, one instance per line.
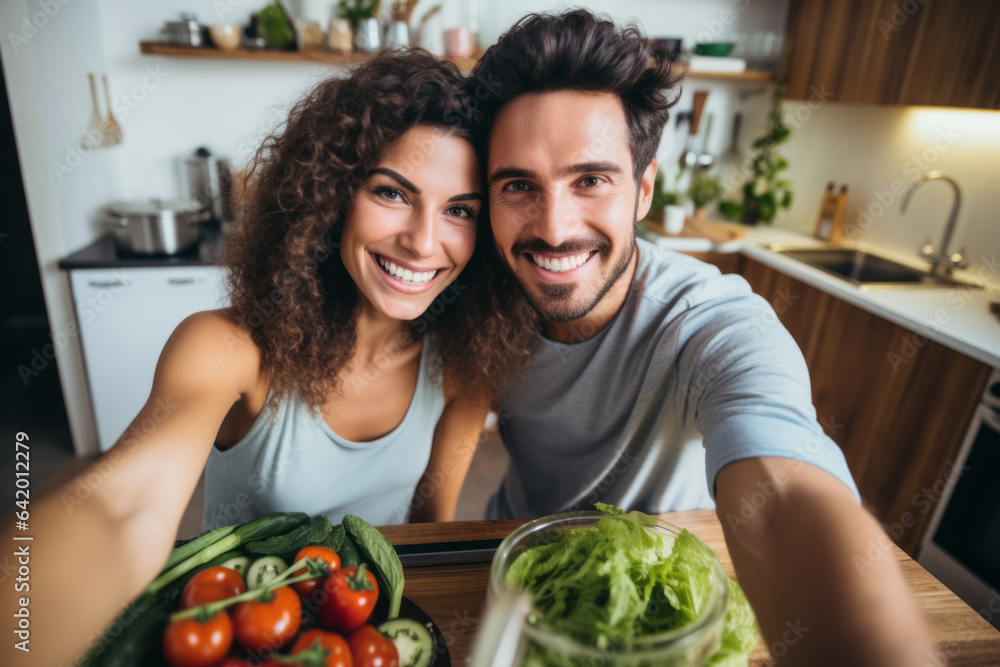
(287,282)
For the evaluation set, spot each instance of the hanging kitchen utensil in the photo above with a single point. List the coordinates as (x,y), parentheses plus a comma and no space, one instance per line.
(706,160)
(734,146)
(110,127)
(93,136)
(689,158)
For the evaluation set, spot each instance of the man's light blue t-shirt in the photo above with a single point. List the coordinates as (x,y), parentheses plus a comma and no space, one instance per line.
(694,372)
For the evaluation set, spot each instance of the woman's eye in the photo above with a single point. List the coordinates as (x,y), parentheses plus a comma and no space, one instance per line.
(392,194)
(592,181)
(517,186)
(461,212)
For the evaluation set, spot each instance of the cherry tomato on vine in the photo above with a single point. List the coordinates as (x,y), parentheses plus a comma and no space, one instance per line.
(270,622)
(193,643)
(350,598)
(212,585)
(306,587)
(370,648)
(340,652)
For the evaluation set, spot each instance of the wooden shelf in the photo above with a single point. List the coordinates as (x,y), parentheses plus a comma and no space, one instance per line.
(750,76)
(151,48)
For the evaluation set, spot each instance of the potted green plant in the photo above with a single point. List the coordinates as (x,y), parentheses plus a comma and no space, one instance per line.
(661,200)
(703,190)
(356,10)
(765,191)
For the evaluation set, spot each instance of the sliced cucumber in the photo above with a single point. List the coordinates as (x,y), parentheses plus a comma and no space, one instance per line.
(240,564)
(263,570)
(413,641)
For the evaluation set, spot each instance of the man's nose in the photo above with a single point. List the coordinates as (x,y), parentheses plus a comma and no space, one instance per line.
(421,234)
(555,218)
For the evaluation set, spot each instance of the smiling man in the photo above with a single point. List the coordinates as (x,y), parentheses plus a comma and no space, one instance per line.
(659,384)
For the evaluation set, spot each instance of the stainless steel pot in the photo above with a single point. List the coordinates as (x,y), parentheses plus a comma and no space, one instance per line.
(186,32)
(157,227)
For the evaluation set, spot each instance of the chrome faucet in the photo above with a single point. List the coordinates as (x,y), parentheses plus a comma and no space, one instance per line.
(941,261)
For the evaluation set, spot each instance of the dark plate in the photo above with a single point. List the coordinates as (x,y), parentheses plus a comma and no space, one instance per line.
(409,609)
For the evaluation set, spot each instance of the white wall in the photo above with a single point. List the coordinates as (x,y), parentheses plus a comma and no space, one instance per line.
(47,49)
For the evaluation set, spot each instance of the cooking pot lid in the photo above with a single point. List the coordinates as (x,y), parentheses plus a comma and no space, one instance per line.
(155,207)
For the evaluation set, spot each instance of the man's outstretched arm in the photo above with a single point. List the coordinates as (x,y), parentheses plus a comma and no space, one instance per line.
(803,558)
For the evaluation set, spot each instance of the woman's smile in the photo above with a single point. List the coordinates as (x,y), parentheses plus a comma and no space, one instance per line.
(405,277)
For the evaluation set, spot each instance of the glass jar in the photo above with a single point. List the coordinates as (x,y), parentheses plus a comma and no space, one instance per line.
(688,646)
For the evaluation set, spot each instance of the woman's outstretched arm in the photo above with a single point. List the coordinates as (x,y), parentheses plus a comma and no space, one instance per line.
(101,537)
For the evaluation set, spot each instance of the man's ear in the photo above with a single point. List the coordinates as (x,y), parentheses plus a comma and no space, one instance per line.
(645,198)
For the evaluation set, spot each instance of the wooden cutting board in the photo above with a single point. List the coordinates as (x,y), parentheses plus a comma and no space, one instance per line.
(695,228)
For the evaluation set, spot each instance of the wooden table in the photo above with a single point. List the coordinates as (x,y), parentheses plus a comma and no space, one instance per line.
(454,595)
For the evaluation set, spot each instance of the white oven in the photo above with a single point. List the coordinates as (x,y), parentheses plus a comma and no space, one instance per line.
(962,544)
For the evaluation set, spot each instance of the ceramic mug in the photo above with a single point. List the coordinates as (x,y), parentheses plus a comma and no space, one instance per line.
(369,37)
(458,42)
(674,219)
(340,38)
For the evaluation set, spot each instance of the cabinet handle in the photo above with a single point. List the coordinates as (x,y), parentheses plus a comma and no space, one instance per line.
(108,283)
(184,281)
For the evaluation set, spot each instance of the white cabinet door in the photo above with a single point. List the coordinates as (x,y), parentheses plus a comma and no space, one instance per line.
(125,317)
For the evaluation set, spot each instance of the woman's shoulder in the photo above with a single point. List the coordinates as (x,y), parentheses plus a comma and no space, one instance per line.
(213,341)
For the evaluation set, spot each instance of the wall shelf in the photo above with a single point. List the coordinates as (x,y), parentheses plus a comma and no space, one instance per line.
(152,48)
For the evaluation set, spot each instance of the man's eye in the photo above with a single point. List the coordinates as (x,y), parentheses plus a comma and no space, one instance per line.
(591,181)
(517,186)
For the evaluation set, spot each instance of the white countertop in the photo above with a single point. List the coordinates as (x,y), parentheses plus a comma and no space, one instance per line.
(957,318)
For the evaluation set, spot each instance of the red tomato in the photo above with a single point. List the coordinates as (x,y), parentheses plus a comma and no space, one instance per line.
(340,652)
(191,643)
(212,585)
(370,648)
(349,601)
(235,662)
(268,625)
(306,587)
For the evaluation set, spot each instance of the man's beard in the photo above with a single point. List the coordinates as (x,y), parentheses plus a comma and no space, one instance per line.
(555,302)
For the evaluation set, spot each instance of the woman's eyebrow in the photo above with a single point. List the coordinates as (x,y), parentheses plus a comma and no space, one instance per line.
(405,182)
(466,196)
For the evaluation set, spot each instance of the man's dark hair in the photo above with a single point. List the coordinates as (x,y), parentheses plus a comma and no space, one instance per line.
(577,51)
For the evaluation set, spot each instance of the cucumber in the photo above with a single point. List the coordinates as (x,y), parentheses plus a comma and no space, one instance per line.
(263,570)
(412,640)
(240,564)
(349,555)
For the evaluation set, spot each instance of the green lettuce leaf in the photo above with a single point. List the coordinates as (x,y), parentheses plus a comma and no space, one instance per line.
(618,582)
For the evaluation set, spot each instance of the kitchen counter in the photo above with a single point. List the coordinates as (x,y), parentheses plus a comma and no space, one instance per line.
(955,317)
(454,594)
(104,254)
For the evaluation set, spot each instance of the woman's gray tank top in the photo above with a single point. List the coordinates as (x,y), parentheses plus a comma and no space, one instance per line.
(291,460)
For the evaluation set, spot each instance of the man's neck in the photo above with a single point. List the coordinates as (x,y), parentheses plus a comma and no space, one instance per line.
(600,315)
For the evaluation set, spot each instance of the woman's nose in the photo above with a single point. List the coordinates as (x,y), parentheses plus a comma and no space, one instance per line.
(421,234)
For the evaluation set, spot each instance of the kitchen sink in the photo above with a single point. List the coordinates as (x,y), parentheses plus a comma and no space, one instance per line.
(865,269)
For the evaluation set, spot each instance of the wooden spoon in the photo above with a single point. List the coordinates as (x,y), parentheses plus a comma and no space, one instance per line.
(111,129)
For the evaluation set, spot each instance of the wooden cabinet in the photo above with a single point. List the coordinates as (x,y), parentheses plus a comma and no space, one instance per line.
(896,403)
(727,262)
(919,52)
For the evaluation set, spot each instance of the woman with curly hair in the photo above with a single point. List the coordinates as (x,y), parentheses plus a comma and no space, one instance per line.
(369,330)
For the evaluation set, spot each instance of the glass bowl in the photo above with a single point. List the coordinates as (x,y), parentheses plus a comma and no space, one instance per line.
(688,646)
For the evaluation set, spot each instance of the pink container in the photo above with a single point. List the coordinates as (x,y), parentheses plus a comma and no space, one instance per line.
(458,42)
